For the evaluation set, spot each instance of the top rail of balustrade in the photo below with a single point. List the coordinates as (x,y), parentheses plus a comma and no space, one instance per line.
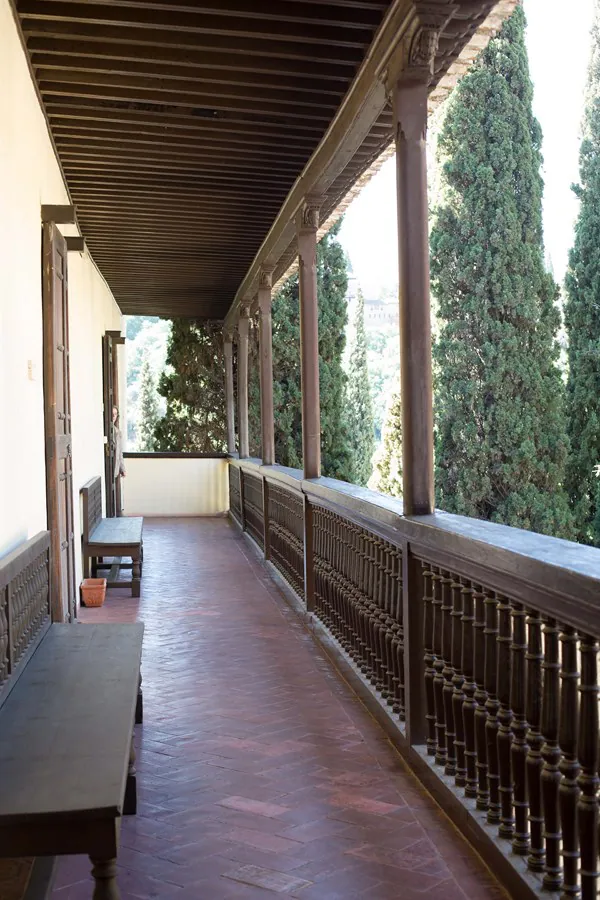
(559,578)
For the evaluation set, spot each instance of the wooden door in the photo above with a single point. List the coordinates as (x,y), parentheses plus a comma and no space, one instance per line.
(108,378)
(57,419)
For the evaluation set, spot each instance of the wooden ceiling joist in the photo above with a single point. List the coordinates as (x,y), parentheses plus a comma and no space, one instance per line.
(188,132)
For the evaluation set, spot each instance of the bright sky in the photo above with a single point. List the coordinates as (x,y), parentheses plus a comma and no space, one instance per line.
(558,45)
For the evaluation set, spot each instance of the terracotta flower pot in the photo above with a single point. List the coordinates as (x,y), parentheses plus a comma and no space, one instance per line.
(93,591)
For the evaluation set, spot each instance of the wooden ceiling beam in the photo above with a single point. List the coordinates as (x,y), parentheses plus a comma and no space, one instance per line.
(100,191)
(181,74)
(180,117)
(69,135)
(266,99)
(198,159)
(218,64)
(296,13)
(247,188)
(134,166)
(248,30)
(122,91)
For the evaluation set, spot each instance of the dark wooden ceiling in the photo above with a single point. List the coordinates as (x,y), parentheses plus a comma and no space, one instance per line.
(181,127)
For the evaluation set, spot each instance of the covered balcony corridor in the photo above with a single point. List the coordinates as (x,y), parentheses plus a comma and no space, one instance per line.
(259,770)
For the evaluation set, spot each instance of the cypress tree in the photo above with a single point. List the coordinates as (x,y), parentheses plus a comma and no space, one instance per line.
(388,462)
(332,282)
(501,440)
(582,319)
(148,414)
(194,387)
(360,408)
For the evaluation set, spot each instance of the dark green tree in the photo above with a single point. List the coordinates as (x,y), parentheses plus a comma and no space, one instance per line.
(388,461)
(287,399)
(148,413)
(360,408)
(501,441)
(194,388)
(582,319)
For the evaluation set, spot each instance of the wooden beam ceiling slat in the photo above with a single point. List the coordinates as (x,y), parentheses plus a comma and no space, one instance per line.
(142,17)
(280,82)
(218,64)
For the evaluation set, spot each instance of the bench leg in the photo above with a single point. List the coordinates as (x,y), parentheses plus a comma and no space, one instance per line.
(139,706)
(105,876)
(130,802)
(86,566)
(136,578)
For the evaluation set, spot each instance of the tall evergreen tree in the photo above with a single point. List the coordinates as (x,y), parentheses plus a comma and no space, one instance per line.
(287,398)
(501,429)
(194,388)
(148,414)
(360,408)
(582,318)
(387,477)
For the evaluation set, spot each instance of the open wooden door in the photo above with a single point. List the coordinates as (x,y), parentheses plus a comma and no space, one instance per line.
(108,382)
(57,419)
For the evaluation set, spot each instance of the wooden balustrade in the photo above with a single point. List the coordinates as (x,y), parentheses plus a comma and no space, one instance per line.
(509,652)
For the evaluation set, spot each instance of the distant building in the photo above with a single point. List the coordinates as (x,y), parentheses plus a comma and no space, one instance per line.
(378,310)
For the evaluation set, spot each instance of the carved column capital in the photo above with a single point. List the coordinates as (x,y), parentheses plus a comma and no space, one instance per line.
(414,58)
(265,278)
(307,219)
(228,344)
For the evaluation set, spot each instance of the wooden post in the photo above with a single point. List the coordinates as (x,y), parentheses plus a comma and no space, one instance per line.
(413,602)
(229,395)
(266,368)
(409,96)
(307,224)
(243,329)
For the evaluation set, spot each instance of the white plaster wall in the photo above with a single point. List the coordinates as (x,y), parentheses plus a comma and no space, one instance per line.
(156,486)
(30,177)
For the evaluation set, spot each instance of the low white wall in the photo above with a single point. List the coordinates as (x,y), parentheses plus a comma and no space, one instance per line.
(29,177)
(159,486)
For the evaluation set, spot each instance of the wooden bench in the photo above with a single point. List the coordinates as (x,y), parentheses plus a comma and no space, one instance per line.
(114,538)
(68,697)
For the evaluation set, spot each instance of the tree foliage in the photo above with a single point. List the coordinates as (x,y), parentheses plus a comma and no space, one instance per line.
(360,408)
(501,432)
(332,281)
(582,320)
(387,477)
(194,388)
(148,413)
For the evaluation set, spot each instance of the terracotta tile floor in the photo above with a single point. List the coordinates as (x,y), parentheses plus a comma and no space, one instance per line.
(259,772)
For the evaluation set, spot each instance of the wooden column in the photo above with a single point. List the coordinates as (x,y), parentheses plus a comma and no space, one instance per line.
(243,328)
(409,98)
(307,224)
(229,394)
(266,368)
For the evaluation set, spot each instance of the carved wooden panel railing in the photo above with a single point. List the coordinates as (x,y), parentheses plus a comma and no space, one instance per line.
(235,500)
(24,602)
(482,642)
(252,490)
(286,533)
(358,597)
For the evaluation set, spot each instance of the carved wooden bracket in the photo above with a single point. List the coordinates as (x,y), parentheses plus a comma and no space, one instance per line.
(308,215)
(414,57)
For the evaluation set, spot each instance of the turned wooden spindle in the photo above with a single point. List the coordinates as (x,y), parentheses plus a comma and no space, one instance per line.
(438,665)
(551,755)
(458,679)
(505,718)
(518,750)
(492,706)
(469,688)
(534,658)
(448,673)
(429,658)
(568,792)
(589,760)
(480,696)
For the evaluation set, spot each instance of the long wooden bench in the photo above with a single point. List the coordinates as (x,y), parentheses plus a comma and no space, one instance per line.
(68,698)
(114,538)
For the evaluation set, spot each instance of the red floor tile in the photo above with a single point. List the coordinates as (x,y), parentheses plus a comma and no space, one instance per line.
(259,772)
